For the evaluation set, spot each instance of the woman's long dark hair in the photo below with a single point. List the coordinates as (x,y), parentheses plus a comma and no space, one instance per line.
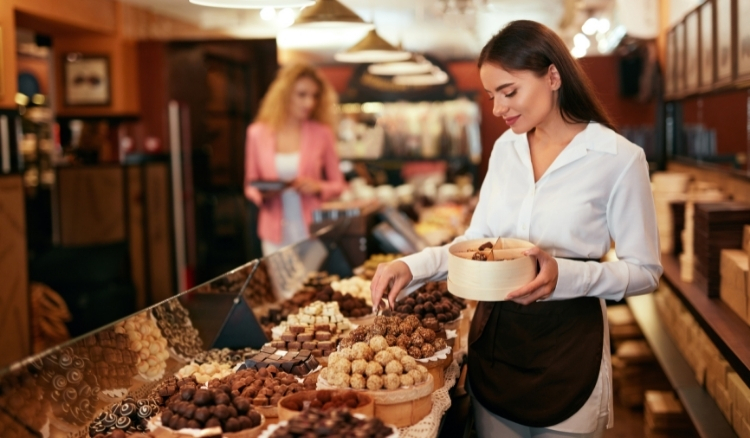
(528,45)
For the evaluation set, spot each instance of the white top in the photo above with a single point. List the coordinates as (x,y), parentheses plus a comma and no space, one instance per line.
(293,228)
(596,191)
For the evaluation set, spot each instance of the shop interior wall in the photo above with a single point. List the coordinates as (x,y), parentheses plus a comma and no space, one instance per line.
(602,70)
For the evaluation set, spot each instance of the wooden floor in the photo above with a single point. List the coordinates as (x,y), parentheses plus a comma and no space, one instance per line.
(628,423)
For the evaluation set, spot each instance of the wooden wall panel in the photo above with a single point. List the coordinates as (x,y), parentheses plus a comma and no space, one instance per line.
(14,288)
(136,234)
(159,232)
(90,207)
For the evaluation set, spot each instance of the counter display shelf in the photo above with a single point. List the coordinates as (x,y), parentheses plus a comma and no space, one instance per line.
(62,391)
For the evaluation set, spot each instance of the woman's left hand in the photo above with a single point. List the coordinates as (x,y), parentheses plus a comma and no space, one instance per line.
(543,285)
(306,186)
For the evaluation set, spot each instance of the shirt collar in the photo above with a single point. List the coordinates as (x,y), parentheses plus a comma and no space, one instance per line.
(595,137)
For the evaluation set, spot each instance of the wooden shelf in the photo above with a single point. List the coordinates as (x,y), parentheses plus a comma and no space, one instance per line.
(700,407)
(727,331)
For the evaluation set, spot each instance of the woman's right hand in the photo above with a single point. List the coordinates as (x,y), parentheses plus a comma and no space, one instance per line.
(389,280)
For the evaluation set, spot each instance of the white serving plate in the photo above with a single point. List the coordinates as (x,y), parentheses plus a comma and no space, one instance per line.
(489,280)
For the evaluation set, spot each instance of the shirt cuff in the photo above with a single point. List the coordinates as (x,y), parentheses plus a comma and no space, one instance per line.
(572,279)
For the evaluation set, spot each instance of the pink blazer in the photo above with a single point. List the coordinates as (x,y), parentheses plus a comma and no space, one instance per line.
(318,160)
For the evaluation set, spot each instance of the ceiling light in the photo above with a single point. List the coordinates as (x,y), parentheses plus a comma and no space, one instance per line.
(372,48)
(286,17)
(581,40)
(253,4)
(438,77)
(590,26)
(401,68)
(329,13)
(268,13)
(603,25)
(578,52)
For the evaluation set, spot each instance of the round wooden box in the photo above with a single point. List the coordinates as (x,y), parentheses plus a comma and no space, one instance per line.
(489,280)
(366,404)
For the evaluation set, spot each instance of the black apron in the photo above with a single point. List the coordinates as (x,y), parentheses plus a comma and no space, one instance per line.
(538,364)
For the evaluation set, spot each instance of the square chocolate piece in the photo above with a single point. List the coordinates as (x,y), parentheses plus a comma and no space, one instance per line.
(278,344)
(305,337)
(294,345)
(322,336)
(317,352)
(304,354)
(297,329)
(310,345)
(268,349)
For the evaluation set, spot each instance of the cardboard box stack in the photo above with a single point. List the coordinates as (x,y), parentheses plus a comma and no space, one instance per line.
(734,289)
(634,371)
(622,325)
(665,416)
(718,226)
(667,187)
(730,392)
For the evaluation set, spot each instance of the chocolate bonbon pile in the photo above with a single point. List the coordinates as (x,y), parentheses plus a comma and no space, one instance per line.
(200,408)
(130,415)
(352,306)
(320,339)
(333,423)
(259,289)
(264,387)
(22,396)
(407,333)
(223,355)
(205,372)
(114,363)
(298,363)
(327,400)
(432,301)
(373,366)
(147,342)
(120,434)
(72,386)
(175,325)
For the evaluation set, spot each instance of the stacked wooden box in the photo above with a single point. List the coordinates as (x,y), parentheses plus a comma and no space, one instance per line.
(730,392)
(678,224)
(665,416)
(634,371)
(717,226)
(622,325)
(734,286)
(699,192)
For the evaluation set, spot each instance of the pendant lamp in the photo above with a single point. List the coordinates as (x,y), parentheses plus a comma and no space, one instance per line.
(437,77)
(253,4)
(372,48)
(329,14)
(411,67)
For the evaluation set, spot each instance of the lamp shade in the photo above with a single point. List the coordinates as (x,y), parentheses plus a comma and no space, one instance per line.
(327,14)
(372,48)
(253,4)
(401,68)
(437,77)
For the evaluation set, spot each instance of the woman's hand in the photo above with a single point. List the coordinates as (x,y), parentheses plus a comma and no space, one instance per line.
(306,186)
(388,281)
(543,285)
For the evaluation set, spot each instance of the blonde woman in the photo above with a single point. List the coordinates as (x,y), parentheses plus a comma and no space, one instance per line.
(292,140)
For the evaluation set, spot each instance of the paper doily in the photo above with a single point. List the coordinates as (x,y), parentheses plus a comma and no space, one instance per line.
(439,355)
(441,401)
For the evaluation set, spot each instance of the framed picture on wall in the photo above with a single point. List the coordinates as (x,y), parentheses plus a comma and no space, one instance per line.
(723,41)
(707,45)
(86,80)
(669,68)
(692,52)
(743,40)
(679,53)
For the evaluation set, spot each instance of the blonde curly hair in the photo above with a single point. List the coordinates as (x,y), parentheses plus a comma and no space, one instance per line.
(274,107)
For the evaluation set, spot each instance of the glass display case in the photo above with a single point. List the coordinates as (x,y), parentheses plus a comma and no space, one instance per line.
(71,390)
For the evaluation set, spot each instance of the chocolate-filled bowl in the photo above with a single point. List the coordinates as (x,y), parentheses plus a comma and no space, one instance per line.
(356,402)
(477,271)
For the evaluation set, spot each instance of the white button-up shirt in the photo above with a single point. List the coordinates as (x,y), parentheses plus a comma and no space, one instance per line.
(596,192)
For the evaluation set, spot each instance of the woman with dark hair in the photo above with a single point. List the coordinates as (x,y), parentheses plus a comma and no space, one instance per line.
(539,363)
